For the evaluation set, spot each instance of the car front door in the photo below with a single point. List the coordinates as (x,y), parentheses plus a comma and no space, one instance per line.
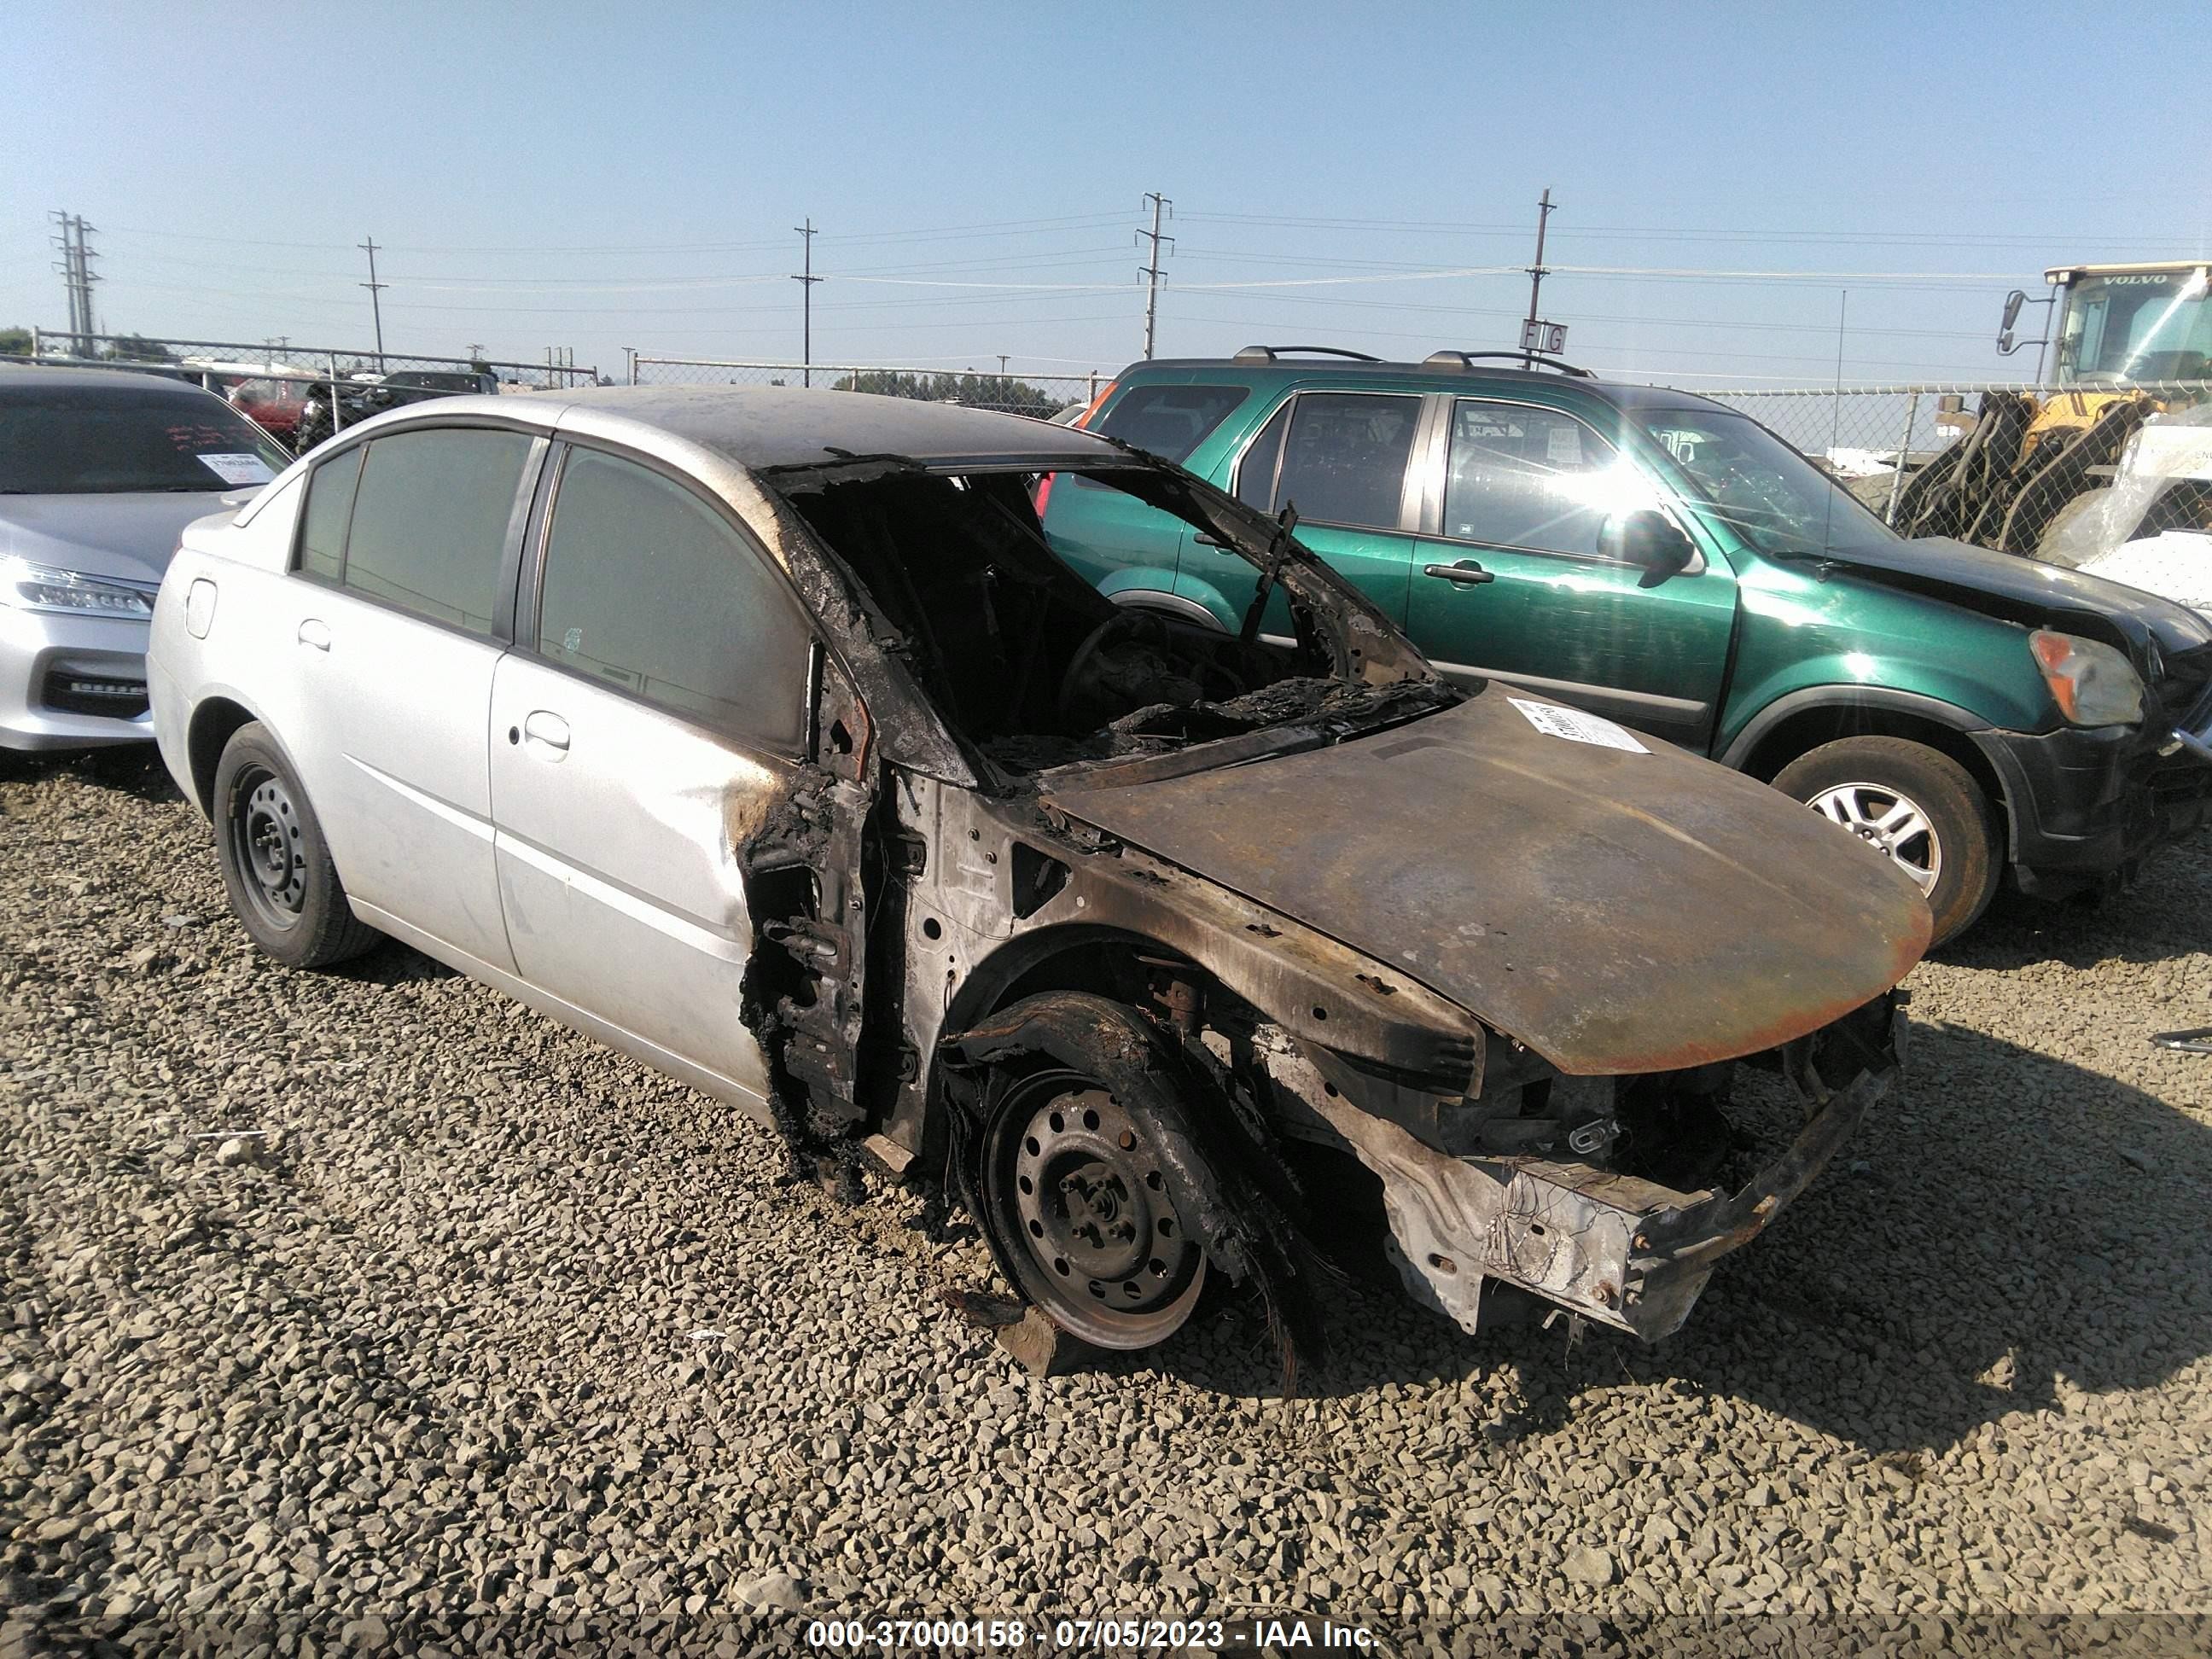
(406,559)
(651,714)
(1342,459)
(1511,580)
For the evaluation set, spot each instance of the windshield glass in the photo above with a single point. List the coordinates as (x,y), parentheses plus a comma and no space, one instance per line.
(2137,325)
(114,439)
(1737,471)
(1035,667)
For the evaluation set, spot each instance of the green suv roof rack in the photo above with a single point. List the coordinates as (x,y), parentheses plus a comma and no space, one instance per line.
(1269,354)
(1468,359)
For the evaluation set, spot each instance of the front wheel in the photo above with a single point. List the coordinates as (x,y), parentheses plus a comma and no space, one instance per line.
(1080,1200)
(1915,806)
(276,868)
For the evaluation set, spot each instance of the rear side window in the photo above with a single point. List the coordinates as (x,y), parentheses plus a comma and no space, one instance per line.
(330,506)
(1521,477)
(1170,421)
(1339,457)
(648,588)
(430,520)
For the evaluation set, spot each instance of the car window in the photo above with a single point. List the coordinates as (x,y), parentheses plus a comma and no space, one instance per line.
(1343,458)
(330,506)
(110,440)
(430,518)
(1170,421)
(648,588)
(1255,473)
(1523,477)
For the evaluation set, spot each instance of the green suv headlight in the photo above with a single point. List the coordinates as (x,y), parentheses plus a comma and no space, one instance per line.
(30,587)
(2092,683)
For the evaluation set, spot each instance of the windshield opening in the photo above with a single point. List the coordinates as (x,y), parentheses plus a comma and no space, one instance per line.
(118,440)
(1034,667)
(1735,472)
(2137,325)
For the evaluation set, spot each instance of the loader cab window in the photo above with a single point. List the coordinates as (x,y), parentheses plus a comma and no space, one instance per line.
(2137,326)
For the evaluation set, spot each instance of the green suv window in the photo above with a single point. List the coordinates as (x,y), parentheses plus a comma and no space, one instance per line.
(1524,477)
(1339,457)
(1170,421)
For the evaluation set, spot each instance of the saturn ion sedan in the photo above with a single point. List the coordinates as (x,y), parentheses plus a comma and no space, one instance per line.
(763,735)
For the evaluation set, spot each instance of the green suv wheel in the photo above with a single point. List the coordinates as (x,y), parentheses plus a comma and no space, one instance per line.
(1918,808)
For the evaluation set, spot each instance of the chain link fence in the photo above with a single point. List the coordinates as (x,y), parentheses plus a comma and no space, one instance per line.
(1042,396)
(2043,470)
(300,393)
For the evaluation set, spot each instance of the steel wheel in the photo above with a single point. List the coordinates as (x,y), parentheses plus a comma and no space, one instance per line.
(265,841)
(1086,1211)
(1889,821)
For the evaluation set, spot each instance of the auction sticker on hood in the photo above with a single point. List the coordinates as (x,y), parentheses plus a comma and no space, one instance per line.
(1576,726)
(238,469)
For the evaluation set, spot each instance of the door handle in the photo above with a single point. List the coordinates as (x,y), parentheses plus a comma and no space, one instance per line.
(544,727)
(314,631)
(1466,573)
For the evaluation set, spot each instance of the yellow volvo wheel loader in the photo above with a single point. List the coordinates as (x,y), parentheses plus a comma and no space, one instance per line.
(2133,342)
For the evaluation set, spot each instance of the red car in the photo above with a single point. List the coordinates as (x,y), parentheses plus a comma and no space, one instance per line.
(273,405)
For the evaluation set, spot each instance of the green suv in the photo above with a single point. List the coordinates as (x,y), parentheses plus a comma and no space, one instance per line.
(1664,561)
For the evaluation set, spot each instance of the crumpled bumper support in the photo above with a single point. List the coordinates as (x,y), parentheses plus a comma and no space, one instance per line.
(1623,1251)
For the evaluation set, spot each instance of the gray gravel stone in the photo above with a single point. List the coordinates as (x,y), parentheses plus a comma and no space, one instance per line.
(498,1322)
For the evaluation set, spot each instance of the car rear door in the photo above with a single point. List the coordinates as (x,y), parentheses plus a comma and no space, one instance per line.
(650,717)
(1344,460)
(403,605)
(1510,580)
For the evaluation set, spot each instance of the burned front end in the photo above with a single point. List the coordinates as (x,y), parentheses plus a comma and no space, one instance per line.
(1185,953)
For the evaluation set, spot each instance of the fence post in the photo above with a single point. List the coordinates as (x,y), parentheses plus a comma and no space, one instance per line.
(338,404)
(1904,444)
(633,368)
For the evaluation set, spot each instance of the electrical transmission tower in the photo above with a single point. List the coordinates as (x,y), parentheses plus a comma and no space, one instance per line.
(806,282)
(1151,270)
(77,278)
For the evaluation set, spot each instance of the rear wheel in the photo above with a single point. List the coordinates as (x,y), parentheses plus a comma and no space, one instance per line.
(283,888)
(1918,808)
(1077,1196)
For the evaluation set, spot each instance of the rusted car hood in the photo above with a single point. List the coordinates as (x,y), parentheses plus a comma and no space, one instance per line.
(1616,911)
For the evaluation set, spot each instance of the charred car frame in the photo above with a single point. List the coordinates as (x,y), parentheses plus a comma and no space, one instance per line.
(1176,954)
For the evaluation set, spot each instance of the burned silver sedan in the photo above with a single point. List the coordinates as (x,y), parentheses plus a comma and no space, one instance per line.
(763,735)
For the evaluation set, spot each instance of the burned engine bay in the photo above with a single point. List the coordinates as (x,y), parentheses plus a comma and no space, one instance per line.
(1139,1076)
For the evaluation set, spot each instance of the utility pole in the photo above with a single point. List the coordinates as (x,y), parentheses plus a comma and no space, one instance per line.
(375,289)
(1151,271)
(1536,274)
(77,279)
(806,282)
(1002,364)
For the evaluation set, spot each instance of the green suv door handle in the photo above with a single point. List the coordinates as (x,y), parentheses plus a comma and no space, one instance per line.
(1467,571)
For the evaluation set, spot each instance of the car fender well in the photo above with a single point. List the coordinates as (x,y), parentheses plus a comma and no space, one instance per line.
(1800,721)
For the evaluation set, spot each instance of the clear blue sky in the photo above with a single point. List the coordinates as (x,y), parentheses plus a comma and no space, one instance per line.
(598,176)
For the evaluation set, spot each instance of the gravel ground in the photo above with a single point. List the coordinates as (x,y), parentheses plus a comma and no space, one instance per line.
(373,1293)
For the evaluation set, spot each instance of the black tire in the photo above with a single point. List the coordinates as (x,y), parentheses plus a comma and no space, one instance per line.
(1080,1207)
(276,867)
(1860,781)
